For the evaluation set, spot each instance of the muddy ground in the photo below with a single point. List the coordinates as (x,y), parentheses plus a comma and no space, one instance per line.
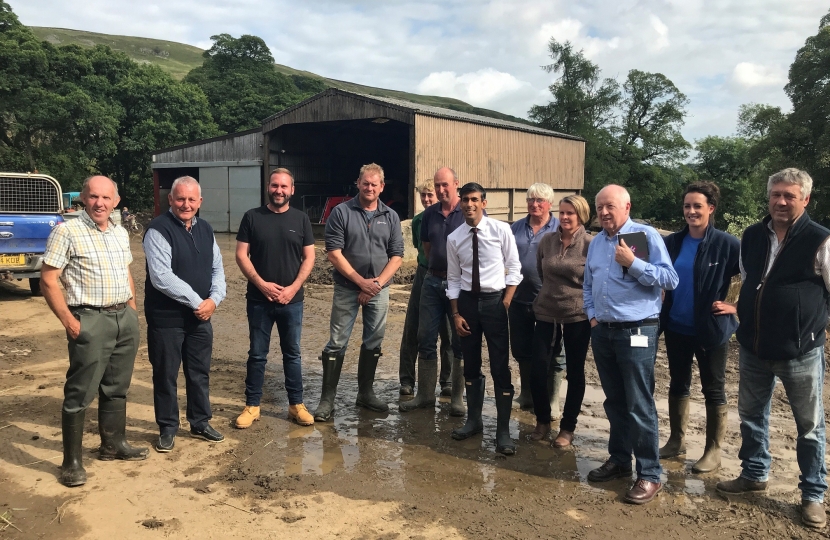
(365,475)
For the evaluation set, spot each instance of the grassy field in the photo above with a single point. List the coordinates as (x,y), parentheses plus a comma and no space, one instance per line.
(178,59)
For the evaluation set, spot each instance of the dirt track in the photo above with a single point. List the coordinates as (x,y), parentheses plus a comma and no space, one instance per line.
(365,475)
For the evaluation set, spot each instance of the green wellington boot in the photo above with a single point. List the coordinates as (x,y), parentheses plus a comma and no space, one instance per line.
(332,364)
(678,421)
(72,470)
(367,365)
(457,400)
(427,377)
(475,402)
(112,426)
(715,431)
(525,399)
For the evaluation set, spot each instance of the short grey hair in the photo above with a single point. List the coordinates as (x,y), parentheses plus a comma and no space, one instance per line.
(540,191)
(792,176)
(186,181)
(85,187)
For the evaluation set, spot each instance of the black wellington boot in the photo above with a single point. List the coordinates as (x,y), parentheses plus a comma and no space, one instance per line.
(332,364)
(475,402)
(367,365)
(72,470)
(504,444)
(112,425)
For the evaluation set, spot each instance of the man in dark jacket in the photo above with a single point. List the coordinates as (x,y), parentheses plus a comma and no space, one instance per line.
(185,283)
(785,266)
(365,245)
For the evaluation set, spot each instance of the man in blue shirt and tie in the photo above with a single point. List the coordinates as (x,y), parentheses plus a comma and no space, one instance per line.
(622,297)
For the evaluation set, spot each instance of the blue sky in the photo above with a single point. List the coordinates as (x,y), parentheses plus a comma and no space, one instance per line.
(720,53)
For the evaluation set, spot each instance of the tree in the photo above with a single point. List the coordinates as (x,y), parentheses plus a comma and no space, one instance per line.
(582,102)
(242,85)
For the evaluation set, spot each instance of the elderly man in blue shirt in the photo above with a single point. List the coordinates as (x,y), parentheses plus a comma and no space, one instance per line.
(623,297)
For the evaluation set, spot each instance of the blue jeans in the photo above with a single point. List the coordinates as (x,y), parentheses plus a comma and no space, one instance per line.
(289,320)
(627,377)
(802,378)
(344,309)
(435,308)
(409,339)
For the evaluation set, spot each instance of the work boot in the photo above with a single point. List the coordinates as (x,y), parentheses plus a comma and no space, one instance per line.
(250,414)
(525,400)
(678,420)
(715,431)
(332,364)
(72,470)
(504,444)
(299,414)
(457,399)
(112,426)
(740,485)
(475,402)
(813,515)
(427,376)
(367,365)
(554,383)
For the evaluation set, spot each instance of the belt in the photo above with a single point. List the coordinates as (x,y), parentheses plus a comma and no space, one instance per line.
(438,273)
(114,307)
(632,324)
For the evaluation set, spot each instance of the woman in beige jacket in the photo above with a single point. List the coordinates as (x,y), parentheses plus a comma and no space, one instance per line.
(560,318)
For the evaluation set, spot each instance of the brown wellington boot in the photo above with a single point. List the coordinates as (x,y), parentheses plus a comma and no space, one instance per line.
(715,431)
(678,421)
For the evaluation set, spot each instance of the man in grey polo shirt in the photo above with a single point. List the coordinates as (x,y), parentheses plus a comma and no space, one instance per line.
(365,245)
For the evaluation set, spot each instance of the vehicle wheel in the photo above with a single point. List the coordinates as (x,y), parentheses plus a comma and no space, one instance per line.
(138,230)
(34,286)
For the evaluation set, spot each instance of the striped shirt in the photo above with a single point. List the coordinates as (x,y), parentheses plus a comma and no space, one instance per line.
(159,255)
(95,263)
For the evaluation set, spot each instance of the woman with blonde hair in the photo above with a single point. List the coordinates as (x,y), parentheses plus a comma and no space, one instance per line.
(561,320)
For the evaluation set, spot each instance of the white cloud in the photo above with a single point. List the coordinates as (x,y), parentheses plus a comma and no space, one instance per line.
(662,38)
(749,75)
(484,88)
(489,53)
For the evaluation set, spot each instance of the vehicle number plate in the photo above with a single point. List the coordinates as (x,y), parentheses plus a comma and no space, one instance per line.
(13,260)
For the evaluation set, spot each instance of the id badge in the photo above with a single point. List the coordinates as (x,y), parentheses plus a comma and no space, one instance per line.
(639,340)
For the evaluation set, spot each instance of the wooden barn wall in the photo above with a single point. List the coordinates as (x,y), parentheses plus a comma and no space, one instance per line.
(497,157)
(242,148)
(331,107)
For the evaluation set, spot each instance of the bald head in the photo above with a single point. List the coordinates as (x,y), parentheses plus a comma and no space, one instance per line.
(613,207)
(446,186)
(100,196)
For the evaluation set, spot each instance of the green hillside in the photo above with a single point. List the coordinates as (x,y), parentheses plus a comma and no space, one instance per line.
(178,59)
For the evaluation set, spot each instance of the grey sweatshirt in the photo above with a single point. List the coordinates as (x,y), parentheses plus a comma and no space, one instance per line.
(366,244)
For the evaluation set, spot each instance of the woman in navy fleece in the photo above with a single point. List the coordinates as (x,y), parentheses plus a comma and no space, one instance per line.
(698,322)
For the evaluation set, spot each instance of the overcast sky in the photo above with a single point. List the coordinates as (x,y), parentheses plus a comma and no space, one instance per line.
(720,53)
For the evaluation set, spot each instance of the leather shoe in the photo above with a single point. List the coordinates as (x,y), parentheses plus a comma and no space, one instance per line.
(608,471)
(642,491)
(165,443)
(740,485)
(540,432)
(207,433)
(563,439)
(812,514)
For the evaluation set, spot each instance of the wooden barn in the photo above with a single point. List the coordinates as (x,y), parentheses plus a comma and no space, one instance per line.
(325,139)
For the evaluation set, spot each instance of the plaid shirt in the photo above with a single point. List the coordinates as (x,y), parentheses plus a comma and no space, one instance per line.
(95,263)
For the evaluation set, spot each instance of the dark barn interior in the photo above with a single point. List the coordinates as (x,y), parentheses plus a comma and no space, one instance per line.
(326,157)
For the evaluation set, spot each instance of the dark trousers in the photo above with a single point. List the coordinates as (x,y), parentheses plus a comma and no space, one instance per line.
(681,349)
(486,315)
(522,329)
(548,340)
(190,347)
(409,340)
(101,358)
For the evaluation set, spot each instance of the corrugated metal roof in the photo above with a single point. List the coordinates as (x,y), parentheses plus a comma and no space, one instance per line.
(418,108)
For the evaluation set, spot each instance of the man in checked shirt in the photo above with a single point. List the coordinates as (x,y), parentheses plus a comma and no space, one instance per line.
(90,255)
